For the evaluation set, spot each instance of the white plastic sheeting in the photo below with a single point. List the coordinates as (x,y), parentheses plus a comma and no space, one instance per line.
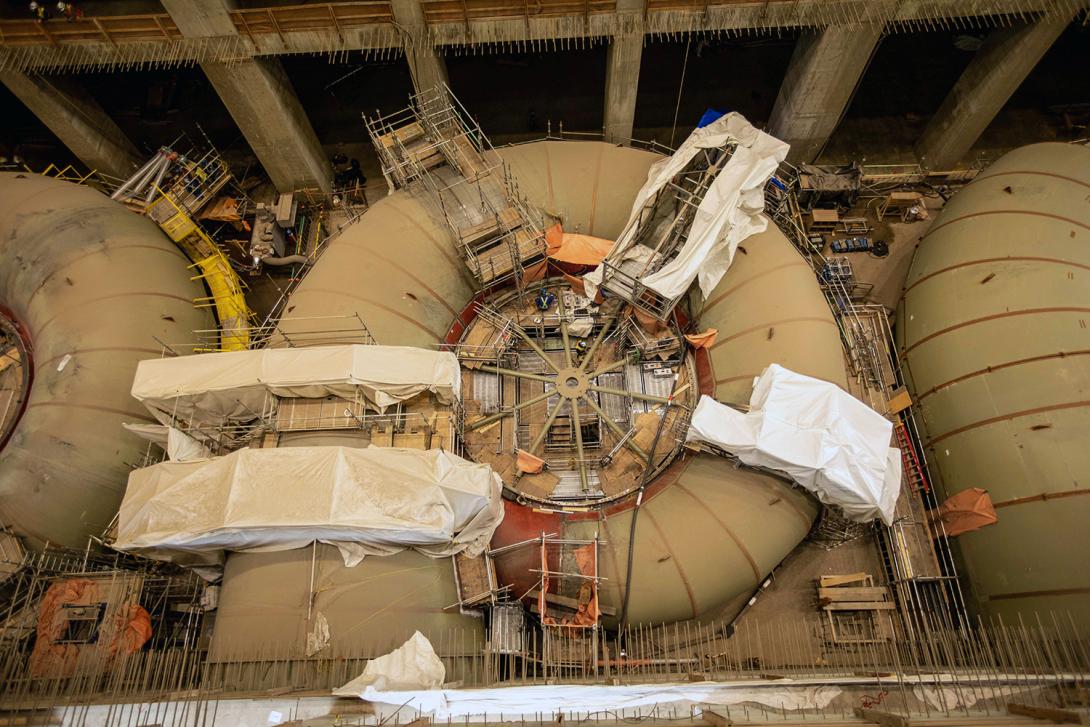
(823,438)
(729,212)
(373,501)
(220,388)
(179,446)
(413,666)
(592,698)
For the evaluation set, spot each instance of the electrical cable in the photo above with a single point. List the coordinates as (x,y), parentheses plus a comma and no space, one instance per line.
(680,88)
(639,498)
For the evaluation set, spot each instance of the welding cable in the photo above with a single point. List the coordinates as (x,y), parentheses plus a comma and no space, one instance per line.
(288,260)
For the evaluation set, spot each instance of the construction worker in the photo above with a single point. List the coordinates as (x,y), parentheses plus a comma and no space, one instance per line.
(39,12)
(544,300)
(69,11)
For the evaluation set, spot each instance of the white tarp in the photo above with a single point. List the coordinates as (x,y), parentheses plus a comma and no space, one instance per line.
(589,699)
(220,388)
(377,500)
(179,446)
(826,440)
(729,212)
(412,666)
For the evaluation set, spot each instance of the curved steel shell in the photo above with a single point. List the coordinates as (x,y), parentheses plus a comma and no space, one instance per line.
(395,268)
(94,285)
(708,532)
(993,327)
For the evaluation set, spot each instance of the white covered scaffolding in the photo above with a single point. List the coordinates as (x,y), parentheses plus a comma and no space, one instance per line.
(435,147)
(689,217)
(398,395)
(373,501)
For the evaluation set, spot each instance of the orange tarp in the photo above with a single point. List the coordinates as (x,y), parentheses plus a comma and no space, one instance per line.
(967,511)
(704,339)
(576,249)
(121,632)
(586,559)
(529,463)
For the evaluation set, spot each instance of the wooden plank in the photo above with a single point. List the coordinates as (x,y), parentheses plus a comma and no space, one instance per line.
(1061,716)
(861,606)
(886,719)
(573,604)
(870,593)
(827,581)
(715,719)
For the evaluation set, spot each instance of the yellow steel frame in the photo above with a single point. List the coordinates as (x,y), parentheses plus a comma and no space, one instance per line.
(227,290)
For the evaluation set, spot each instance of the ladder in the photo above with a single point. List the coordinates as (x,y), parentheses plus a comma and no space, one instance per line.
(911,470)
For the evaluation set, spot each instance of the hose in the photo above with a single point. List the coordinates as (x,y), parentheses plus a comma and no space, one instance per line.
(286,260)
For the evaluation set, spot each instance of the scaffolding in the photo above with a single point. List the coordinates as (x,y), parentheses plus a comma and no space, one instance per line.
(172,189)
(61,635)
(419,423)
(436,149)
(656,236)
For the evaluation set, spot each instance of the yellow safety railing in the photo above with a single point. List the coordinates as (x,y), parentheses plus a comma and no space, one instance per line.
(67,174)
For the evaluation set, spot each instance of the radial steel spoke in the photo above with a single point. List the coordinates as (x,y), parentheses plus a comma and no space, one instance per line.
(607,326)
(633,394)
(607,369)
(577,423)
(519,374)
(564,331)
(536,349)
(616,429)
(545,429)
(500,415)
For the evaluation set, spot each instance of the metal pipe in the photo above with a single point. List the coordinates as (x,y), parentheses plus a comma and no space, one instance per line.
(164,165)
(140,174)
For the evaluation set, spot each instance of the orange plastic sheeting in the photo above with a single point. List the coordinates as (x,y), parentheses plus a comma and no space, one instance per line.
(576,249)
(704,339)
(586,559)
(122,631)
(647,322)
(529,463)
(967,511)
(535,272)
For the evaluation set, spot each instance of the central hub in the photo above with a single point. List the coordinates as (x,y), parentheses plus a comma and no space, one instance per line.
(571,383)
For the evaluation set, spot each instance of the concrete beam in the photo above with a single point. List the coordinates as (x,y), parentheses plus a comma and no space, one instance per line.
(77,120)
(144,46)
(622,83)
(825,69)
(427,67)
(261,100)
(996,72)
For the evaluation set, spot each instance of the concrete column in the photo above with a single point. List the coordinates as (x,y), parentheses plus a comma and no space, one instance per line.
(261,100)
(622,82)
(78,121)
(996,72)
(427,67)
(825,69)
